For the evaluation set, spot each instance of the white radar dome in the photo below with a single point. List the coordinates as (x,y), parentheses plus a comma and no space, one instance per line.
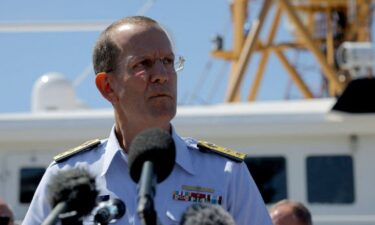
(52,91)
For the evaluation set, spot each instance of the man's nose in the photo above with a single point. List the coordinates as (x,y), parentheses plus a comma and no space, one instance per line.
(159,72)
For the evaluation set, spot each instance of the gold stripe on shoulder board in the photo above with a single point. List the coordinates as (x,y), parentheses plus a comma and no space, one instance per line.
(237,156)
(85,146)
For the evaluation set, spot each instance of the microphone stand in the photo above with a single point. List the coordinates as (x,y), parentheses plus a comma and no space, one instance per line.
(53,216)
(70,218)
(146,210)
(66,218)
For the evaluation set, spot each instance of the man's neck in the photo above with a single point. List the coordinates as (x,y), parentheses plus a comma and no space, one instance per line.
(126,133)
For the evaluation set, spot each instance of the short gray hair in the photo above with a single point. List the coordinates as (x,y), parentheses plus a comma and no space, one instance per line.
(106,51)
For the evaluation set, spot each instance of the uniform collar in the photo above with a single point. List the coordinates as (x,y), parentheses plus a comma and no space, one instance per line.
(113,148)
(183,157)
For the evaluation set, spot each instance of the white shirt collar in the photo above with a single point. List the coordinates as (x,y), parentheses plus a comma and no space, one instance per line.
(112,148)
(183,157)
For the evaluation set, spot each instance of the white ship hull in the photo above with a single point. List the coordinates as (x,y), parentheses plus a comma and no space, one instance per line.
(297,132)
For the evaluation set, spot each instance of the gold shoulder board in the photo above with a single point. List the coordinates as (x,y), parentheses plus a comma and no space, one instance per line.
(83,147)
(206,146)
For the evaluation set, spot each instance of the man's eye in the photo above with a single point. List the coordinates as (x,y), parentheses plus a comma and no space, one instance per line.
(144,64)
(167,61)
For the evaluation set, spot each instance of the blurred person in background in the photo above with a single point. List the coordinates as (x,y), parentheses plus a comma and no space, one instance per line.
(288,212)
(206,214)
(6,214)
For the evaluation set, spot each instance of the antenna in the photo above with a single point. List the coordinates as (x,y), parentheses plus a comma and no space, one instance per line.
(88,69)
(146,7)
(82,76)
(56,26)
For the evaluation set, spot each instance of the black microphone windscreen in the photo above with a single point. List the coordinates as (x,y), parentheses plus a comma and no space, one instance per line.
(154,145)
(76,187)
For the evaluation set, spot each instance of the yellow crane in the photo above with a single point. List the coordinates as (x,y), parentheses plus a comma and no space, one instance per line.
(339,21)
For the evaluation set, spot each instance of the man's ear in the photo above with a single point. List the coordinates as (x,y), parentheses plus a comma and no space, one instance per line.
(104,85)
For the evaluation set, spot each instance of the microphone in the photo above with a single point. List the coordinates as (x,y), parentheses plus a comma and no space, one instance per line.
(206,214)
(109,210)
(151,159)
(73,193)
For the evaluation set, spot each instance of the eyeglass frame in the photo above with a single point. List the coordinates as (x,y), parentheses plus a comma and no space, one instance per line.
(180,64)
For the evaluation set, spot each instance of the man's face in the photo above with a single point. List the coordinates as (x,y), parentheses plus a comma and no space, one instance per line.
(145,83)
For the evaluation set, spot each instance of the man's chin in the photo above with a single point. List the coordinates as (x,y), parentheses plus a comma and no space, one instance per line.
(166,113)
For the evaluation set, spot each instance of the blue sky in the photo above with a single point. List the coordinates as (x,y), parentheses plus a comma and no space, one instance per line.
(25,56)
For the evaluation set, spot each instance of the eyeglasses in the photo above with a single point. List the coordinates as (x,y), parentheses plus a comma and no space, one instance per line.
(179,63)
(171,64)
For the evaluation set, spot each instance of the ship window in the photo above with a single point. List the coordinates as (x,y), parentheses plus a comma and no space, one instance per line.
(29,180)
(269,174)
(330,179)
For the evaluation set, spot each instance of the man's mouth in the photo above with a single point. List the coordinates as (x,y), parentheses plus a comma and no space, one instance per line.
(160,95)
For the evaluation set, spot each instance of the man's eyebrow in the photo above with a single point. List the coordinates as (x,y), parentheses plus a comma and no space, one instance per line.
(137,57)
(131,58)
(171,54)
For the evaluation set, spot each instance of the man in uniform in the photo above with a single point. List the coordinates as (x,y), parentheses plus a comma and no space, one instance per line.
(136,72)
